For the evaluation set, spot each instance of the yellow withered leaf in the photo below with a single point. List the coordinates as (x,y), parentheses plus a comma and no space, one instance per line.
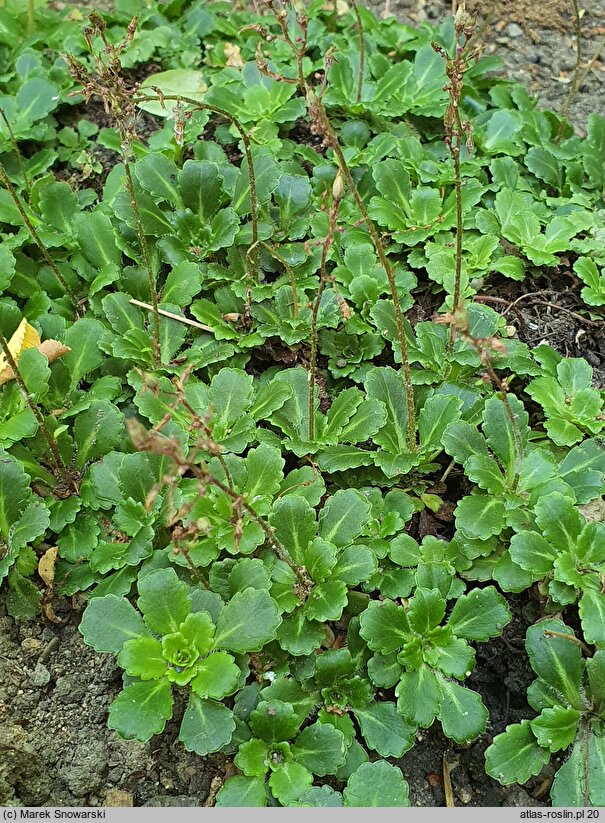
(46,566)
(234,56)
(26,337)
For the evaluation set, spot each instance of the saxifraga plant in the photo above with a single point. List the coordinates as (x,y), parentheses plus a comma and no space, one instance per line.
(107,82)
(458,131)
(321,126)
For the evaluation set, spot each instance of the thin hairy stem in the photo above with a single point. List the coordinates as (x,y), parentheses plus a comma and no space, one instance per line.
(288,268)
(483,346)
(56,461)
(457,132)
(184,551)
(576,81)
(36,238)
(17,150)
(144,247)
(298,47)
(570,638)
(150,441)
(362,51)
(337,192)
(322,124)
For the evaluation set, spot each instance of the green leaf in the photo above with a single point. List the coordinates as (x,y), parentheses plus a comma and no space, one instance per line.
(559,520)
(182,284)
(293,195)
(479,615)
(298,635)
(594,292)
(355,565)
(556,660)
(7,266)
(248,573)
(85,355)
(97,431)
(274,721)
(480,516)
(438,412)
(242,792)
(264,466)
(23,597)
(206,727)
(185,82)
(592,615)
(141,710)
(514,756)
(485,472)
(201,188)
(595,667)
(384,730)
(581,780)
(158,175)
(340,412)
(14,492)
(36,98)
(319,559)
(504,438)
(269,399)
(340,458)
(108,622)
(321,796)
(386,385)
(97,240)
(555,728)
(320,748)
(289,782)
(596,770)
(544,165)
(378,785)
(217,676)
(426,610)
(267,174)
(343,517)
(532,552)
(418,696)
(163,600)
(248,622)
(230,395)
(384,626)
(570,786)
(294,522)
(461,441)
(326,601)
(252,758)
(500,133)
(462,714)
(142,657)
(59,206)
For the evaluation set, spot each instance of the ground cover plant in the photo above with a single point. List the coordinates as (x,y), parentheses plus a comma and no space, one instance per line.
(227,416)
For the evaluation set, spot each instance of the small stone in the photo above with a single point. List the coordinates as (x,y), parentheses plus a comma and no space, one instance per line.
(173,800)
(40,676)
(533,55)
(118,798)
(513,30)
(465,795)
(31,644)
(592,358)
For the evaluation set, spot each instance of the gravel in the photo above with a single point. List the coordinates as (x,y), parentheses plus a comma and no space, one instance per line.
(536,42)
